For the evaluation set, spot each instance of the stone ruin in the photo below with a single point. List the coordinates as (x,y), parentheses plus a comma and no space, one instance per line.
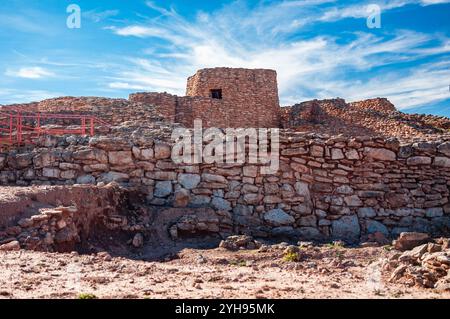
(349,171)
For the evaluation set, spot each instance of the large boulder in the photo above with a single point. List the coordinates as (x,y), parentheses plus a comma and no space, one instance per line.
(409,240)
(278,217)
(346,228)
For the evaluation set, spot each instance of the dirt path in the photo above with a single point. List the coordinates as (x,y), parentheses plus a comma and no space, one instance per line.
(322,272)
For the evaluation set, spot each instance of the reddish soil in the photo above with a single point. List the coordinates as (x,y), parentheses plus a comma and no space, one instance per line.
(322,272)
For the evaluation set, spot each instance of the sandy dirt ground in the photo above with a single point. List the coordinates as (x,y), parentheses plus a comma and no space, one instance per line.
(321,272)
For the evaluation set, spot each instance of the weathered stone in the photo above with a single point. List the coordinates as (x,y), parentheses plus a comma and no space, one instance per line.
(397,200)
(336,154)
(299,167)
(239,242)
(20,160)
(110,143)
(271,188)
(344,189)
(409,240)
(114,177)
(353,201)
(211,178)
(252,199)
(419,160)
(308,221)
(50,172)
(250,171)
(366,212)
(316,151)
(163,188)
(294,151)
(71,174)
(92,155)
(138,240)
(434,212)
(44,159)
(441,161)
(86,179)
(162,175)
(221,204)
(373,227)
(277,217)
(181,198)
(444,148)
(120,158)
(162,151)
(11,246)
(189,181)
(247,188)
(352,154)
(200,200)
(380,154)
(346,228)
(272,199)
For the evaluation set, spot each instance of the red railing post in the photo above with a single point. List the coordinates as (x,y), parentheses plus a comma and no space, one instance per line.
(83,126)
(19,129)
(92,126)
(10,128)
(39,124)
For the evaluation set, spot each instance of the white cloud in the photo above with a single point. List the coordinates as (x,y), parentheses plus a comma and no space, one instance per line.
(10,96)
(97,16)
(29,73)
(430,2)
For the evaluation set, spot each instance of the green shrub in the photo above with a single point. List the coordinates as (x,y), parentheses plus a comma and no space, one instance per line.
(87,296)
(291,257)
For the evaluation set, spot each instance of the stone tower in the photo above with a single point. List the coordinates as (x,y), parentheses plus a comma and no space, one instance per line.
(239,97)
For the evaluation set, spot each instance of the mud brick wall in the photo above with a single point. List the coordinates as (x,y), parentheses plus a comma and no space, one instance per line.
(327,187)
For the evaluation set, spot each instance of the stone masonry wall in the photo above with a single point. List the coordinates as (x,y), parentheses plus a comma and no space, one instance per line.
(327,187)
(249,99)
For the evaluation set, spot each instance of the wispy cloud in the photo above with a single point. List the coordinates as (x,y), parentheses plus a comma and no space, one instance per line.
(97,16)
(30,73)
(11,96)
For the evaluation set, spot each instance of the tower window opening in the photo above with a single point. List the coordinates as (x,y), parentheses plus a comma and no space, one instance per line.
(216,94)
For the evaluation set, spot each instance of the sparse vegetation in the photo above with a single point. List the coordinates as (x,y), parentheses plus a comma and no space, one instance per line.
(87,296)
(239,263)
(291,257)
(335,245)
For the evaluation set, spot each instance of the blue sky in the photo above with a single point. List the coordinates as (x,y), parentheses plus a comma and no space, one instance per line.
(320,48)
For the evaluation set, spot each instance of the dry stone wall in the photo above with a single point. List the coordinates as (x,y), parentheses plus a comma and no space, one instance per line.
(326,187)
(249,99)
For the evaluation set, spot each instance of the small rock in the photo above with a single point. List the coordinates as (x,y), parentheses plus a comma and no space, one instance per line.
(11,246)
(138,240)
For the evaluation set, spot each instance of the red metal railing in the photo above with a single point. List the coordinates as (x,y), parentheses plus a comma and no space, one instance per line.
(18,128)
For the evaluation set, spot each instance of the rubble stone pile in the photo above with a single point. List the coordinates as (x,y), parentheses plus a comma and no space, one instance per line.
(40,219)
(426,265)
(370,117)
